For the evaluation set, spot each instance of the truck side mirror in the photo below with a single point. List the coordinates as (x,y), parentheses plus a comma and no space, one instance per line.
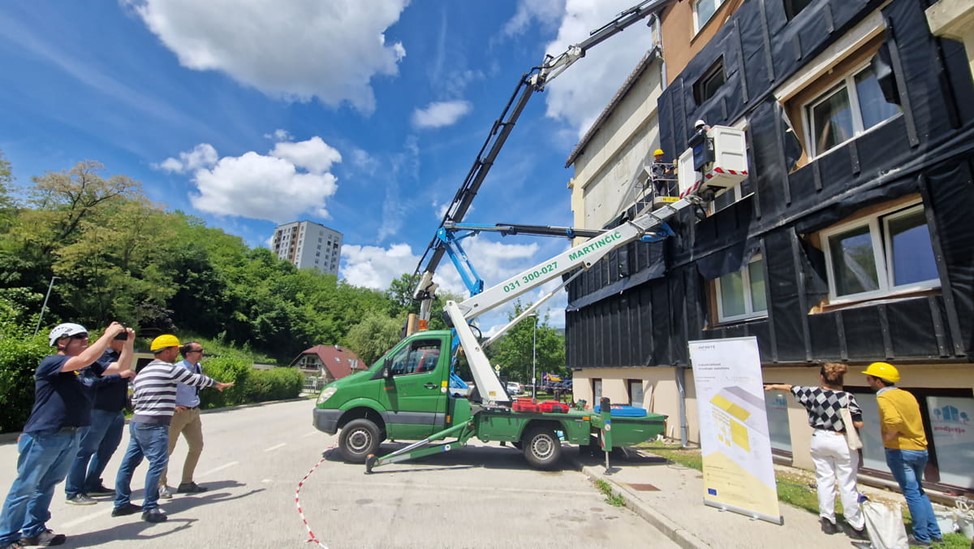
(387,370)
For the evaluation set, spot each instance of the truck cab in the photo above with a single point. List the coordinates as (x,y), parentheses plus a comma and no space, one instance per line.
(402,396)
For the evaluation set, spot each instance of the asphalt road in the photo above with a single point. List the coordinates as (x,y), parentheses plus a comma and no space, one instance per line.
(478,496)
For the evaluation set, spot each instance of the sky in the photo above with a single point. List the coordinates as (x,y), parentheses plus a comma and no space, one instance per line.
(362,115)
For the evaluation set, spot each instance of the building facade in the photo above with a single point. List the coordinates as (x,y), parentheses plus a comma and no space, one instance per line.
(306,244)
(850,240)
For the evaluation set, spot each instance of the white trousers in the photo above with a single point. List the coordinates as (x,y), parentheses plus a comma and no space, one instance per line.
(835,462)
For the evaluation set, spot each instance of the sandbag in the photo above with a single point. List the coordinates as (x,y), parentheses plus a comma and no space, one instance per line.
(884,525)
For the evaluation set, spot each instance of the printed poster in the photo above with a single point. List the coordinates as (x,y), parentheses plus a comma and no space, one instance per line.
(953,435)
(734,437)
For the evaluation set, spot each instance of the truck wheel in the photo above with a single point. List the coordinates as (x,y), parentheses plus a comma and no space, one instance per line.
(359,438)
(542,448)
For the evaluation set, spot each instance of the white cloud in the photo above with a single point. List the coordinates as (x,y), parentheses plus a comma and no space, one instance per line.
(440,114)
(545,12)
(314,155)
(291,180)
(296,50)
(202,156)
(580,93)
(374,267)
(279,135)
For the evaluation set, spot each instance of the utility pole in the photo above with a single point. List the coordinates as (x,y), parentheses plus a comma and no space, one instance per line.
(534,358)
(44,306)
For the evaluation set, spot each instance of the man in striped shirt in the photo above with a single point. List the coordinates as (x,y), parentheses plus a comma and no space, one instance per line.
(155,402)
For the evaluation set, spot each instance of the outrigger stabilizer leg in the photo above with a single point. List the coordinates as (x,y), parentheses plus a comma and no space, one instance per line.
(464,432)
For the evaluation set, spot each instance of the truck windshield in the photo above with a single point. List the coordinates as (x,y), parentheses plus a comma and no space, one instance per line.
(420,356)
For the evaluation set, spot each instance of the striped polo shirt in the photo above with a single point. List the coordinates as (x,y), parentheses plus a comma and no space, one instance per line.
(155,391)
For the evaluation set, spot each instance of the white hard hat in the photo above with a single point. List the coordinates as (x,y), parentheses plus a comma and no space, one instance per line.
(67,329)
(699,123)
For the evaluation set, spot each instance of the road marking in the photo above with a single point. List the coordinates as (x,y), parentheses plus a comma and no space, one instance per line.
(310,434)
(220,468)
(275,447)
(82,520)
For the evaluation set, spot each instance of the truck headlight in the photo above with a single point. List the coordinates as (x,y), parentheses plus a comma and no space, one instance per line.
(326,394)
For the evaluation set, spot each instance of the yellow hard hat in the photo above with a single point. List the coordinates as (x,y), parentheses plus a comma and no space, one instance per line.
(163,341)
(658,152)
(884,371)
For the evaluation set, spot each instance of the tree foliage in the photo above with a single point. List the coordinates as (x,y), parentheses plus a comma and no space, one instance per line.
(373,336)
(515,354)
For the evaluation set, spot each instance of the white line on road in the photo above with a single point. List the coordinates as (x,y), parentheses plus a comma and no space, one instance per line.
(311,434)
(84,519)
(275,447)
(220,468)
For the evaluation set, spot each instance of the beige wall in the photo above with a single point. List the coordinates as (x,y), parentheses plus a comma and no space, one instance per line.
(662,396)
(680,43)
(616,152)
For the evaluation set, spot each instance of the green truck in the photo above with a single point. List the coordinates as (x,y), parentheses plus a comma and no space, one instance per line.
(405,396)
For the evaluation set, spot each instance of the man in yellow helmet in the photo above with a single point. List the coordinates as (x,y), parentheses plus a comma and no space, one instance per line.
(155,402)
(906,447)
(661,172)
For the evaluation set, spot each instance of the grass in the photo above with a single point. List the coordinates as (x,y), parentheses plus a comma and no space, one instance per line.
(611,497)
(794,488)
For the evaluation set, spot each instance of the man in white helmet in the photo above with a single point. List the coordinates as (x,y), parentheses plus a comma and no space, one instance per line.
(62,409)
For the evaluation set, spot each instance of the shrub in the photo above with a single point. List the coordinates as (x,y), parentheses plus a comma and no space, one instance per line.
(18,361)
(275,384)
(228,369)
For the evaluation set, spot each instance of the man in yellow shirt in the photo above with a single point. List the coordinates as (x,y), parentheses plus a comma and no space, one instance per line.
(906,447)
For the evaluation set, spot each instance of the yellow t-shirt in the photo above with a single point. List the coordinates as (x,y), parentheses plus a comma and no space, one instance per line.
(900,412)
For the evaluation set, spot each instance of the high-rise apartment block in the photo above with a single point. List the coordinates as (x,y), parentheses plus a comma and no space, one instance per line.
(308,244)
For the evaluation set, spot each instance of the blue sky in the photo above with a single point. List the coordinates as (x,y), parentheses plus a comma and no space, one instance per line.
(362,115)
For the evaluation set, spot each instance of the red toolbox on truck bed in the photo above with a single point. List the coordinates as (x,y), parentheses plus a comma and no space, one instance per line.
(550,406)
(524,405)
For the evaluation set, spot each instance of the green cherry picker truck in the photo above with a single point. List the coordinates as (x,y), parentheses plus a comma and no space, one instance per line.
(408,394)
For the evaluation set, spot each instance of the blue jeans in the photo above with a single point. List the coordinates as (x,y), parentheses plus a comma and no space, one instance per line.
(43,461)
(97,445)
(149,441)
(907,468)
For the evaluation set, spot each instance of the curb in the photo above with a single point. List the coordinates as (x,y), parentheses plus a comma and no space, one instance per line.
(664,524)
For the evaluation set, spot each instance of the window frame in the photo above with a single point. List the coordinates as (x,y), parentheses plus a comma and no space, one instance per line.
(878,225)
(749,312)
(789,8)
(699,25)
(716,68)
(847,82)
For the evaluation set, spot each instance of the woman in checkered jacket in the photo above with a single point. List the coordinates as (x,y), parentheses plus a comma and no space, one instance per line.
(833,459)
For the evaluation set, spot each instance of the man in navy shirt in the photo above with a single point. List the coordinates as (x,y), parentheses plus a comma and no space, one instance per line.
(102,438)
(62,407)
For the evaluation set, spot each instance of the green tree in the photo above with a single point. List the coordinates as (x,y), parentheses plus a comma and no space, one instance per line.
(514,352)
(373,336)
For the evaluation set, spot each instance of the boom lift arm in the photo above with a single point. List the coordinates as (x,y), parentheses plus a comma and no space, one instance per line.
(533,81)
(649,225)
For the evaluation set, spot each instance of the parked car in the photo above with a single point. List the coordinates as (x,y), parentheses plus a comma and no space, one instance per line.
(514,388)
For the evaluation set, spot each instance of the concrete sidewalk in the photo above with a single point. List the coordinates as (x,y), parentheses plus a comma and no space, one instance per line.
(670,497)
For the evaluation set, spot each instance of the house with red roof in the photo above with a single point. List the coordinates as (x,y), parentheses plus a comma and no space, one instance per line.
(329,362)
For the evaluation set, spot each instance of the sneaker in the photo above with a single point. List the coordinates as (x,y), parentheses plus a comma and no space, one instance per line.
(80,499)
(917,543)
(127,509)
(45,538)
(190,488)
(100,490)
(165,492)
(858,534)
(154,515)
(828,526)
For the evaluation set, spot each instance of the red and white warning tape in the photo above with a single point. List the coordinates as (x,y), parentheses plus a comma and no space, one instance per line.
(297,501)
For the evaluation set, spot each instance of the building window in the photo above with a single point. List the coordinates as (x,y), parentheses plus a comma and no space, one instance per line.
(596,391)
(879,255)
(742,294)
(847,110)
(793,7)
(711,81)
(703,10)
